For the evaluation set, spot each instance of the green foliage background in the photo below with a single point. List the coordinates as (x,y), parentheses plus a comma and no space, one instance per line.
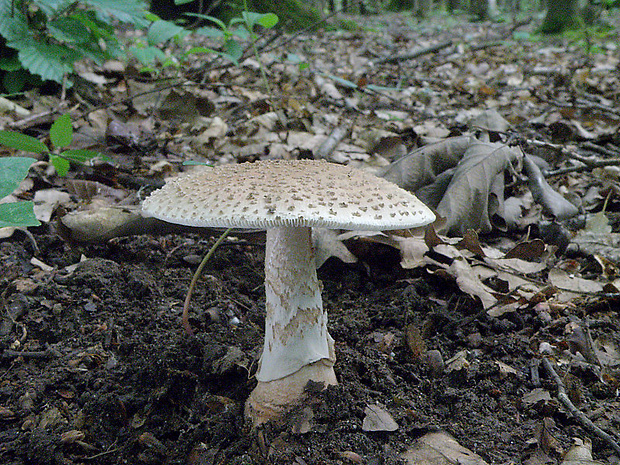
(46,37)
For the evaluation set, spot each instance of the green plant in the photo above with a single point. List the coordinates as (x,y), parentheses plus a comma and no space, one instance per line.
(61,135)
(13,170)
(159,32)
(46,37)
(239,28)
(229,37)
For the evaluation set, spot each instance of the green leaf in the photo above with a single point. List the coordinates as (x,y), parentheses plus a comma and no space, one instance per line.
(182,2)
(151,16)
(13,24)
(212,32)
(127,11)
(241,31)
(68,29)
(268,20)
(51,62)
(213,19)
(233,50)
(161,31)
(13,170)
(17,215)
(61,132)
(234,21)
(19,141)
(62,166)
(82,155)
(147,55)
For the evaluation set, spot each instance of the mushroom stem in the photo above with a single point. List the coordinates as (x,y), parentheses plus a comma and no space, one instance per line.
(297,346)
(296,325)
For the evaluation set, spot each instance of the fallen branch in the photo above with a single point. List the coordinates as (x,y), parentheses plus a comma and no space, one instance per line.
(414,54)
(326,149)
(574,411)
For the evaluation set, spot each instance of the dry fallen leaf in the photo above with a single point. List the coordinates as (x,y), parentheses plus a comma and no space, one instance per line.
(422,166)
(440,448)
(580,453)
(378,419)
(469,282)
(465,203)
(553,202)
(572,286)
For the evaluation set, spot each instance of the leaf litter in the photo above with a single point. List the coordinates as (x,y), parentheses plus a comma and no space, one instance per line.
(515,146)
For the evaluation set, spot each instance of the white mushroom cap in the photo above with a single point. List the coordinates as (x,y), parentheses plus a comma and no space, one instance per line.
(287,193)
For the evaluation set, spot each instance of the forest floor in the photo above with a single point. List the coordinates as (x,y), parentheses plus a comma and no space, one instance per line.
(97,369)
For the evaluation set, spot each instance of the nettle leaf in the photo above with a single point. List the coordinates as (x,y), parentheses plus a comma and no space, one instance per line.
(19,141)
(97,28)
(13,170)
(161,31)
(61,132)
(49,7)
(17,215)
(13,23)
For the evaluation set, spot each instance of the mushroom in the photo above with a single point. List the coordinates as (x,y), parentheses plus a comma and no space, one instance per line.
(288,198)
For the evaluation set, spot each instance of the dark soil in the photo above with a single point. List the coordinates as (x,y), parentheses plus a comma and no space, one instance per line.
(97,369)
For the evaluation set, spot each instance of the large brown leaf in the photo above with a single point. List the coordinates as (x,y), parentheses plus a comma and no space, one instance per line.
(422,166)
(465,203)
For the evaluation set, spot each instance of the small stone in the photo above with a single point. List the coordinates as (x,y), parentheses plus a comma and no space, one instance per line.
(474,340)
(434,361)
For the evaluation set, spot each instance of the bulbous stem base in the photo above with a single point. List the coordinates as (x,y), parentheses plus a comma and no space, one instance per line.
(271,400)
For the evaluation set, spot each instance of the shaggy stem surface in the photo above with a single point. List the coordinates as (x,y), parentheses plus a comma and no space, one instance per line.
(297,346)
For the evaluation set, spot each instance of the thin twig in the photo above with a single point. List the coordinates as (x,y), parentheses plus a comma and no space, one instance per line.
(192,285)
(588,163)
(575,412)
